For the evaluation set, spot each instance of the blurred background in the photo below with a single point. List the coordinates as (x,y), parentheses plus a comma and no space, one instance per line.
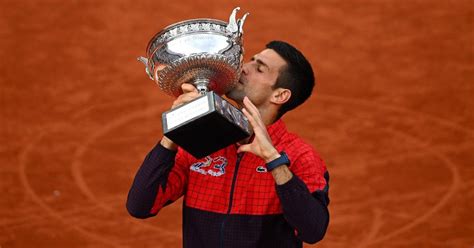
(392,116)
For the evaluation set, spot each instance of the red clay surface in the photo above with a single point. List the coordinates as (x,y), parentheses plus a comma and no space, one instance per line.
(392,115)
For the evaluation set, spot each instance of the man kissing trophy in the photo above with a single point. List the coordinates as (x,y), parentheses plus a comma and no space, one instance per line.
(207,53)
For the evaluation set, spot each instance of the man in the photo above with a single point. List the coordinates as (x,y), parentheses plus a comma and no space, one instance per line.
(271,191)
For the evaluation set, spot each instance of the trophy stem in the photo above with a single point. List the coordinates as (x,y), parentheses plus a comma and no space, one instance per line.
(201,85)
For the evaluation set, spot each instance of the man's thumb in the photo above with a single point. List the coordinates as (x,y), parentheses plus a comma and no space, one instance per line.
(186,88)
(243,148)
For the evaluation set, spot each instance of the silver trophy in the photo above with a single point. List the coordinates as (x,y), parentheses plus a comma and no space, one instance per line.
(207,53)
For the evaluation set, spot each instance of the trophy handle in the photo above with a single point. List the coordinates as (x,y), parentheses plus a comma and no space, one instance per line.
(235,25)
(241,24)
(145,62)
(232,26)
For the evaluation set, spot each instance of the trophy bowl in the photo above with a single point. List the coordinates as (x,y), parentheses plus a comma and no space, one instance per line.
(207,53)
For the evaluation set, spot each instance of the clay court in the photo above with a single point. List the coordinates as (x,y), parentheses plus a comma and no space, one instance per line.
(392,115)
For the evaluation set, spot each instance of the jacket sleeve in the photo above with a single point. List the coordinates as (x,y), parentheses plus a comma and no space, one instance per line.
(305,198)
(160,180)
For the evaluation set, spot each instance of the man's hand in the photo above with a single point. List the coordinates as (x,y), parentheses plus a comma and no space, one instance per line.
(189,93)
(261,145)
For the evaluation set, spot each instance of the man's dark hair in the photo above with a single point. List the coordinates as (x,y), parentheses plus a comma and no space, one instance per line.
(297,75)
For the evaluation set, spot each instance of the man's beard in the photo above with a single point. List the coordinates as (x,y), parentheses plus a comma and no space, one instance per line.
(237,94)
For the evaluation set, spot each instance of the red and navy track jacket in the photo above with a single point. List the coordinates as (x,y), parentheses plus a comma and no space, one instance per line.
(230,200)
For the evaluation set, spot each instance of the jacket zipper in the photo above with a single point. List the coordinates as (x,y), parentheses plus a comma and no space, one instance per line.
(234,178)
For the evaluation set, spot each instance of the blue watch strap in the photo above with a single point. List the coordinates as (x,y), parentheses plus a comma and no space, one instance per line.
(283,159)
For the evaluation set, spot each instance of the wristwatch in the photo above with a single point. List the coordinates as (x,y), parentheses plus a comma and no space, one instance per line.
(283,159)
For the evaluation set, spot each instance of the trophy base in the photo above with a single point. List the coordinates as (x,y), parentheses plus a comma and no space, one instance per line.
(205,125)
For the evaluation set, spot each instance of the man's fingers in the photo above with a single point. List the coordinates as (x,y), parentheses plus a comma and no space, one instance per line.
(184,98)
(250,118)
(252,109)
(254,113)
(243,148)
(187,88)
(249,104)
(258,129)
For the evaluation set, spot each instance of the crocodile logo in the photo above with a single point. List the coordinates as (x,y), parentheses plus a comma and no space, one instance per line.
(261,169)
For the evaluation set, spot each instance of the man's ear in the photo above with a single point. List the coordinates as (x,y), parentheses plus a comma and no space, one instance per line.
(280,96)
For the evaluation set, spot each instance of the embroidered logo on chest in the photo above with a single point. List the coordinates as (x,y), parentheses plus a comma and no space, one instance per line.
(212,166)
